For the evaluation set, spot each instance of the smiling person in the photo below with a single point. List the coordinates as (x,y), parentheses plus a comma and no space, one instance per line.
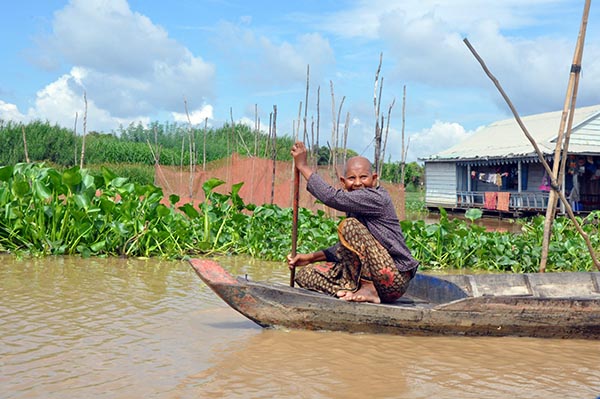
(371,262)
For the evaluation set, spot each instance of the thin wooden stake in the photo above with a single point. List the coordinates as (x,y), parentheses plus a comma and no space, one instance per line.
(192,150)
(81,160)
(274,152)
(295,221)
(25,144)
(305,138)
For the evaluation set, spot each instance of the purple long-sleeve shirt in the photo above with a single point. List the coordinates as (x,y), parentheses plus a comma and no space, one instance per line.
(372,207)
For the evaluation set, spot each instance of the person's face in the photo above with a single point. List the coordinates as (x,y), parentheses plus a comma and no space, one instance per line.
(358,175)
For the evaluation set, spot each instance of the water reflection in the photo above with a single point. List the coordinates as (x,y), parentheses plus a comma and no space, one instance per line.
(119,328)
(491,224)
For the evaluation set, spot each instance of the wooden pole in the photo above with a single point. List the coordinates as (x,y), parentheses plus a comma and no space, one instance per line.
(204,145)
(568,110)
(81,160)
(337,134)
(333,119)
(305,137)
(387,131)
(191,149)
(553,182)
(345,142)
(318,125)
(274,153)
(377,108)
(295,221)
(403,155)
(75,138)
(25,144)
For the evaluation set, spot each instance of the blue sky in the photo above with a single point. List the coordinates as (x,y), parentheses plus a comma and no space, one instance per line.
(142,60)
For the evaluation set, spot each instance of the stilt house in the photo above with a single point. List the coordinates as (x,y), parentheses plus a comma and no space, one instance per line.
(498,170)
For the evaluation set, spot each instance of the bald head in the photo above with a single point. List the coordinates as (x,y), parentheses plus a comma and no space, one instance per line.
(353,162)
(358,174)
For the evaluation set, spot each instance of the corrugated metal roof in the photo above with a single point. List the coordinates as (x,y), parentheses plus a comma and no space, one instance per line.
(505,138)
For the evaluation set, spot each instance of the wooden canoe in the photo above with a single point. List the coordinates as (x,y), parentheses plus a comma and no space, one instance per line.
(548,305)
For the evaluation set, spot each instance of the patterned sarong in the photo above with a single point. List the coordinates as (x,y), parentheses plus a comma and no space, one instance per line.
(360,256)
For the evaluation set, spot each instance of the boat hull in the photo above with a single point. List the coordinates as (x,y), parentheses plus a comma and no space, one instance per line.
(433,306)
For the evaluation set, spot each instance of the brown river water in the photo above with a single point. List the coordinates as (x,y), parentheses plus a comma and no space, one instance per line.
(130,328)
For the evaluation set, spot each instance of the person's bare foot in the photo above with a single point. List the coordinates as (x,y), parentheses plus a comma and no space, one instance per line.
(366,293)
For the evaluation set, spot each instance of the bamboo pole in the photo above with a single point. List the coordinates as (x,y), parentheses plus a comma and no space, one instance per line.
(268,142)
(157,168)
(295,205)
(75,138)
(387,129)
(255,151)
(568,110)
(25,144)
(156,144)
(318,124)
(256,129)
(296,134)
(345,145)
(274,152)
(191,149)
(333,119)
(204,145)
(305,138)
(181,160)
(540,155)
(297,130)
(403,155)
(377,109)
(155,156)
(379,132)
(337,133)
(233,147)
(81,160)
(312,134)
(404,149)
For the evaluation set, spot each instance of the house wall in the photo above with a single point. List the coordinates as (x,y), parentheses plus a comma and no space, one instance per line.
(462,179)
(440,183)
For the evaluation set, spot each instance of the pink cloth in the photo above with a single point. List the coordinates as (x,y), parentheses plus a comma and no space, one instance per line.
(503,200)
(490,200)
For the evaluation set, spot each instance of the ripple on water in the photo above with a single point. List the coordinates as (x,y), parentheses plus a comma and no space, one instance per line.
(117,328)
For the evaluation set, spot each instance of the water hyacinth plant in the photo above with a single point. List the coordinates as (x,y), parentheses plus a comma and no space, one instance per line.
(46,212)
(78,212)
(459,244)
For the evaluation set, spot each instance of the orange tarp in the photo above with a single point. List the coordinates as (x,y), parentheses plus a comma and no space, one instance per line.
(257,175)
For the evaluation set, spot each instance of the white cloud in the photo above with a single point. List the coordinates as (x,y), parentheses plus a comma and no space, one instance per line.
(196,117)
(244,120)
(440,136)
(267,62)
(62,102)
(10,112)
(367,17)
(127,65)
(424,40)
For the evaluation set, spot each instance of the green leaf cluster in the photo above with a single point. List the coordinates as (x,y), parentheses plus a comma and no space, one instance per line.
(44,211)
(459,244)
(79,212)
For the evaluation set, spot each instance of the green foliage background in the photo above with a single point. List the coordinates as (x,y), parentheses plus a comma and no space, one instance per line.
(132,150)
